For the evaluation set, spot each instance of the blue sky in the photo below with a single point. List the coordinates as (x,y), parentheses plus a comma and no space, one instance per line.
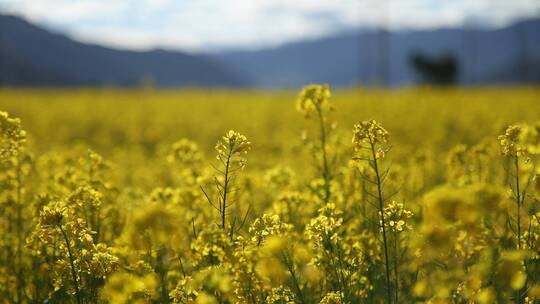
(209,25)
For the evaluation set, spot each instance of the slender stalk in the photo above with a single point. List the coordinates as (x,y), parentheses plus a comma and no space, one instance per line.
(344,285)
(364,198)
(518,201)
(37,283)
(290,268)
(225,189)
(162,272)
(383,224)
(251,293)
(72,264)
(94,212)
(18,204)
(326,170)
(181,266)
(329,254)
(396,278)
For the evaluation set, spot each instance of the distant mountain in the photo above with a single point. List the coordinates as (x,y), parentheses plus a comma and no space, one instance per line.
(507,55)
(30,55)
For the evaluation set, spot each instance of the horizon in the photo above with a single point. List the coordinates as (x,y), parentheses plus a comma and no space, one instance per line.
(142,31)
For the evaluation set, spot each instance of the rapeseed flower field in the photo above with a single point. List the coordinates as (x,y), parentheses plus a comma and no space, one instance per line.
(419,195)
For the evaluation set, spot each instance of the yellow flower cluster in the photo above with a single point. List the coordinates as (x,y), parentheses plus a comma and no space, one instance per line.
(510,142)
(369,133)
(267,226)
(332,298)
(232,144)
(397,216)
(324,228)
(12,137)
(185,152)
(280,295)
(314,98)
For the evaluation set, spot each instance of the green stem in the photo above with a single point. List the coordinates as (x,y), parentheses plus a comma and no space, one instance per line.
(72,264)
(296,284)
(225,188)
(162,272)
(326,170)
(396,279)
(18,204)
(383,223)
(518,201)
(344,285)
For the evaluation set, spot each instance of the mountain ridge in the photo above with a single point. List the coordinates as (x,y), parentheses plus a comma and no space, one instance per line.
(76,63)
(30,55)
(355,57)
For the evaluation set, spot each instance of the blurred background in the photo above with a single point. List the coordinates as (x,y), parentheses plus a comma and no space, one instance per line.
(268,43)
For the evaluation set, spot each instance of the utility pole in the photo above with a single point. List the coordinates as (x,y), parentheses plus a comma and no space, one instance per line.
(383,45)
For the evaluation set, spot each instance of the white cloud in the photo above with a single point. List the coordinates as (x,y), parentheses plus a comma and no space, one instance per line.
(63,11)
(199,24)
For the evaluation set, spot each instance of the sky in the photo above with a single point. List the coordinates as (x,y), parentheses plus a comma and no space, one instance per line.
(214,25)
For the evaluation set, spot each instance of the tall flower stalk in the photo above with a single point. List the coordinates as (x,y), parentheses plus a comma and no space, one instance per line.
(231,151)
(50,220)
(12,146)
(515,151)
(316,98)
(369,138)
(397,218)
(71,263)
(511,148)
